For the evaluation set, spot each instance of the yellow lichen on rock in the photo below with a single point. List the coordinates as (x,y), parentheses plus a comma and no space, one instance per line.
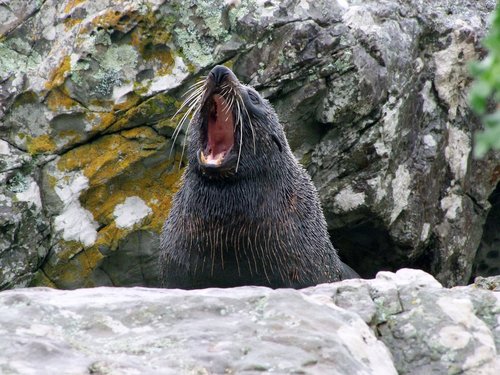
(118,20)
(160,106)
(71,4)
(40,145)
(130,164)
(41,279)
(57,100)
(70,273)
(71,22)
(165,60)
(59,74)
(111,155)
(132,99)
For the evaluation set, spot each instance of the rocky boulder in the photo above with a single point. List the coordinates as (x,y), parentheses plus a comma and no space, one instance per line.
(403,323)
(372,95)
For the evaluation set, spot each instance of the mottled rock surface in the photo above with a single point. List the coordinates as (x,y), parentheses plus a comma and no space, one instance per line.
(345,328)
(372,94)
(427,328)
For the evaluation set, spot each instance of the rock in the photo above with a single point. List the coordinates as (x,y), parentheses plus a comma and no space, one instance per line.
(488,283)
(427,328)
(487,261)
(24,229)
(372,95)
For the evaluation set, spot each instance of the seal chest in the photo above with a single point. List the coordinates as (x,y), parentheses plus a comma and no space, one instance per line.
(247,213)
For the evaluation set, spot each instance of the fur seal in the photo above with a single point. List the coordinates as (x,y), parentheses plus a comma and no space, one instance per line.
(247,213)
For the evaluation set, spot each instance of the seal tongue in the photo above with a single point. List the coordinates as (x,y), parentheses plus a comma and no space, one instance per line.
(220,132)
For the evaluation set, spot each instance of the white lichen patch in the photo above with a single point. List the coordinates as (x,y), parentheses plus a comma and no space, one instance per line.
(347,199)
(452,206)
(361,19)
(343,3)
(407,276)
(451,67)
(360,340)
(429,141)
(425,231)
(68,188)
(457,151)
(5,201)
(4,148)
(31,194)
(376,184)
(453,337)
(77,224)
(388,133)
(161,83)
(429,104)
(266,8)
(121,58)
(120,92)
(400,191)
(485,356)
(74,222)
(131,212)
(460,311)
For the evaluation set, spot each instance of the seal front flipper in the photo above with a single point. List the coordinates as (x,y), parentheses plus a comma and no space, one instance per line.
(347,272)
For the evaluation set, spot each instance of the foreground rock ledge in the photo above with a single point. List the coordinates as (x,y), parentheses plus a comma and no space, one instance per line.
(328,329)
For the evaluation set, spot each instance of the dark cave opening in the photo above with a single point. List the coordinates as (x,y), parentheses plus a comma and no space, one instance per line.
(368,248)
(487,260)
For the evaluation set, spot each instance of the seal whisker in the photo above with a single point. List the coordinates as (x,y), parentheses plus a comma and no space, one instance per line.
(194,106)
(194,87)
(241,137)
(251,126)
(228,104)
(192,96)
(236,246)
(188,102)
(219,233)
(184,117)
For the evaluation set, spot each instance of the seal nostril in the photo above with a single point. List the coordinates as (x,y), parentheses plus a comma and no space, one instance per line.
(219,73)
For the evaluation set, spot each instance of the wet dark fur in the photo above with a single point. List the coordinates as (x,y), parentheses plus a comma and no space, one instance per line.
(262,225)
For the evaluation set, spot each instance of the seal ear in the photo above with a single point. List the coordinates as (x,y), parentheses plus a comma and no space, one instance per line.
(277,141)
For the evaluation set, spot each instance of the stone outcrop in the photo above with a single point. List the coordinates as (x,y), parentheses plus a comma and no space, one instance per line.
(403,323)
(372,95)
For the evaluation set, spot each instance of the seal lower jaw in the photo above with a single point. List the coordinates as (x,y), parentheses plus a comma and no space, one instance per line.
(219,134)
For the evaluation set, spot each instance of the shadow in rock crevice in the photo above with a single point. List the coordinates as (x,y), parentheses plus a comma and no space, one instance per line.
(368,248)
(134,263)
(487,260)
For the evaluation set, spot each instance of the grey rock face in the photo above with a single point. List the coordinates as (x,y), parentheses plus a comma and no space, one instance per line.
(487,262)
(345,328)
(372,95)
(24,229)
(429,329)
(389,132)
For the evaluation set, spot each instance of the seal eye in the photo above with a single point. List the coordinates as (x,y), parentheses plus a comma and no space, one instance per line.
(254,98)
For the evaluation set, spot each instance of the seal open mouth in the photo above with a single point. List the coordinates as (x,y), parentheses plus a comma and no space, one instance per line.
(220,132)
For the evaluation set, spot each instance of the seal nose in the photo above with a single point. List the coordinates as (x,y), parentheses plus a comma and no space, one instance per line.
(219,73)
